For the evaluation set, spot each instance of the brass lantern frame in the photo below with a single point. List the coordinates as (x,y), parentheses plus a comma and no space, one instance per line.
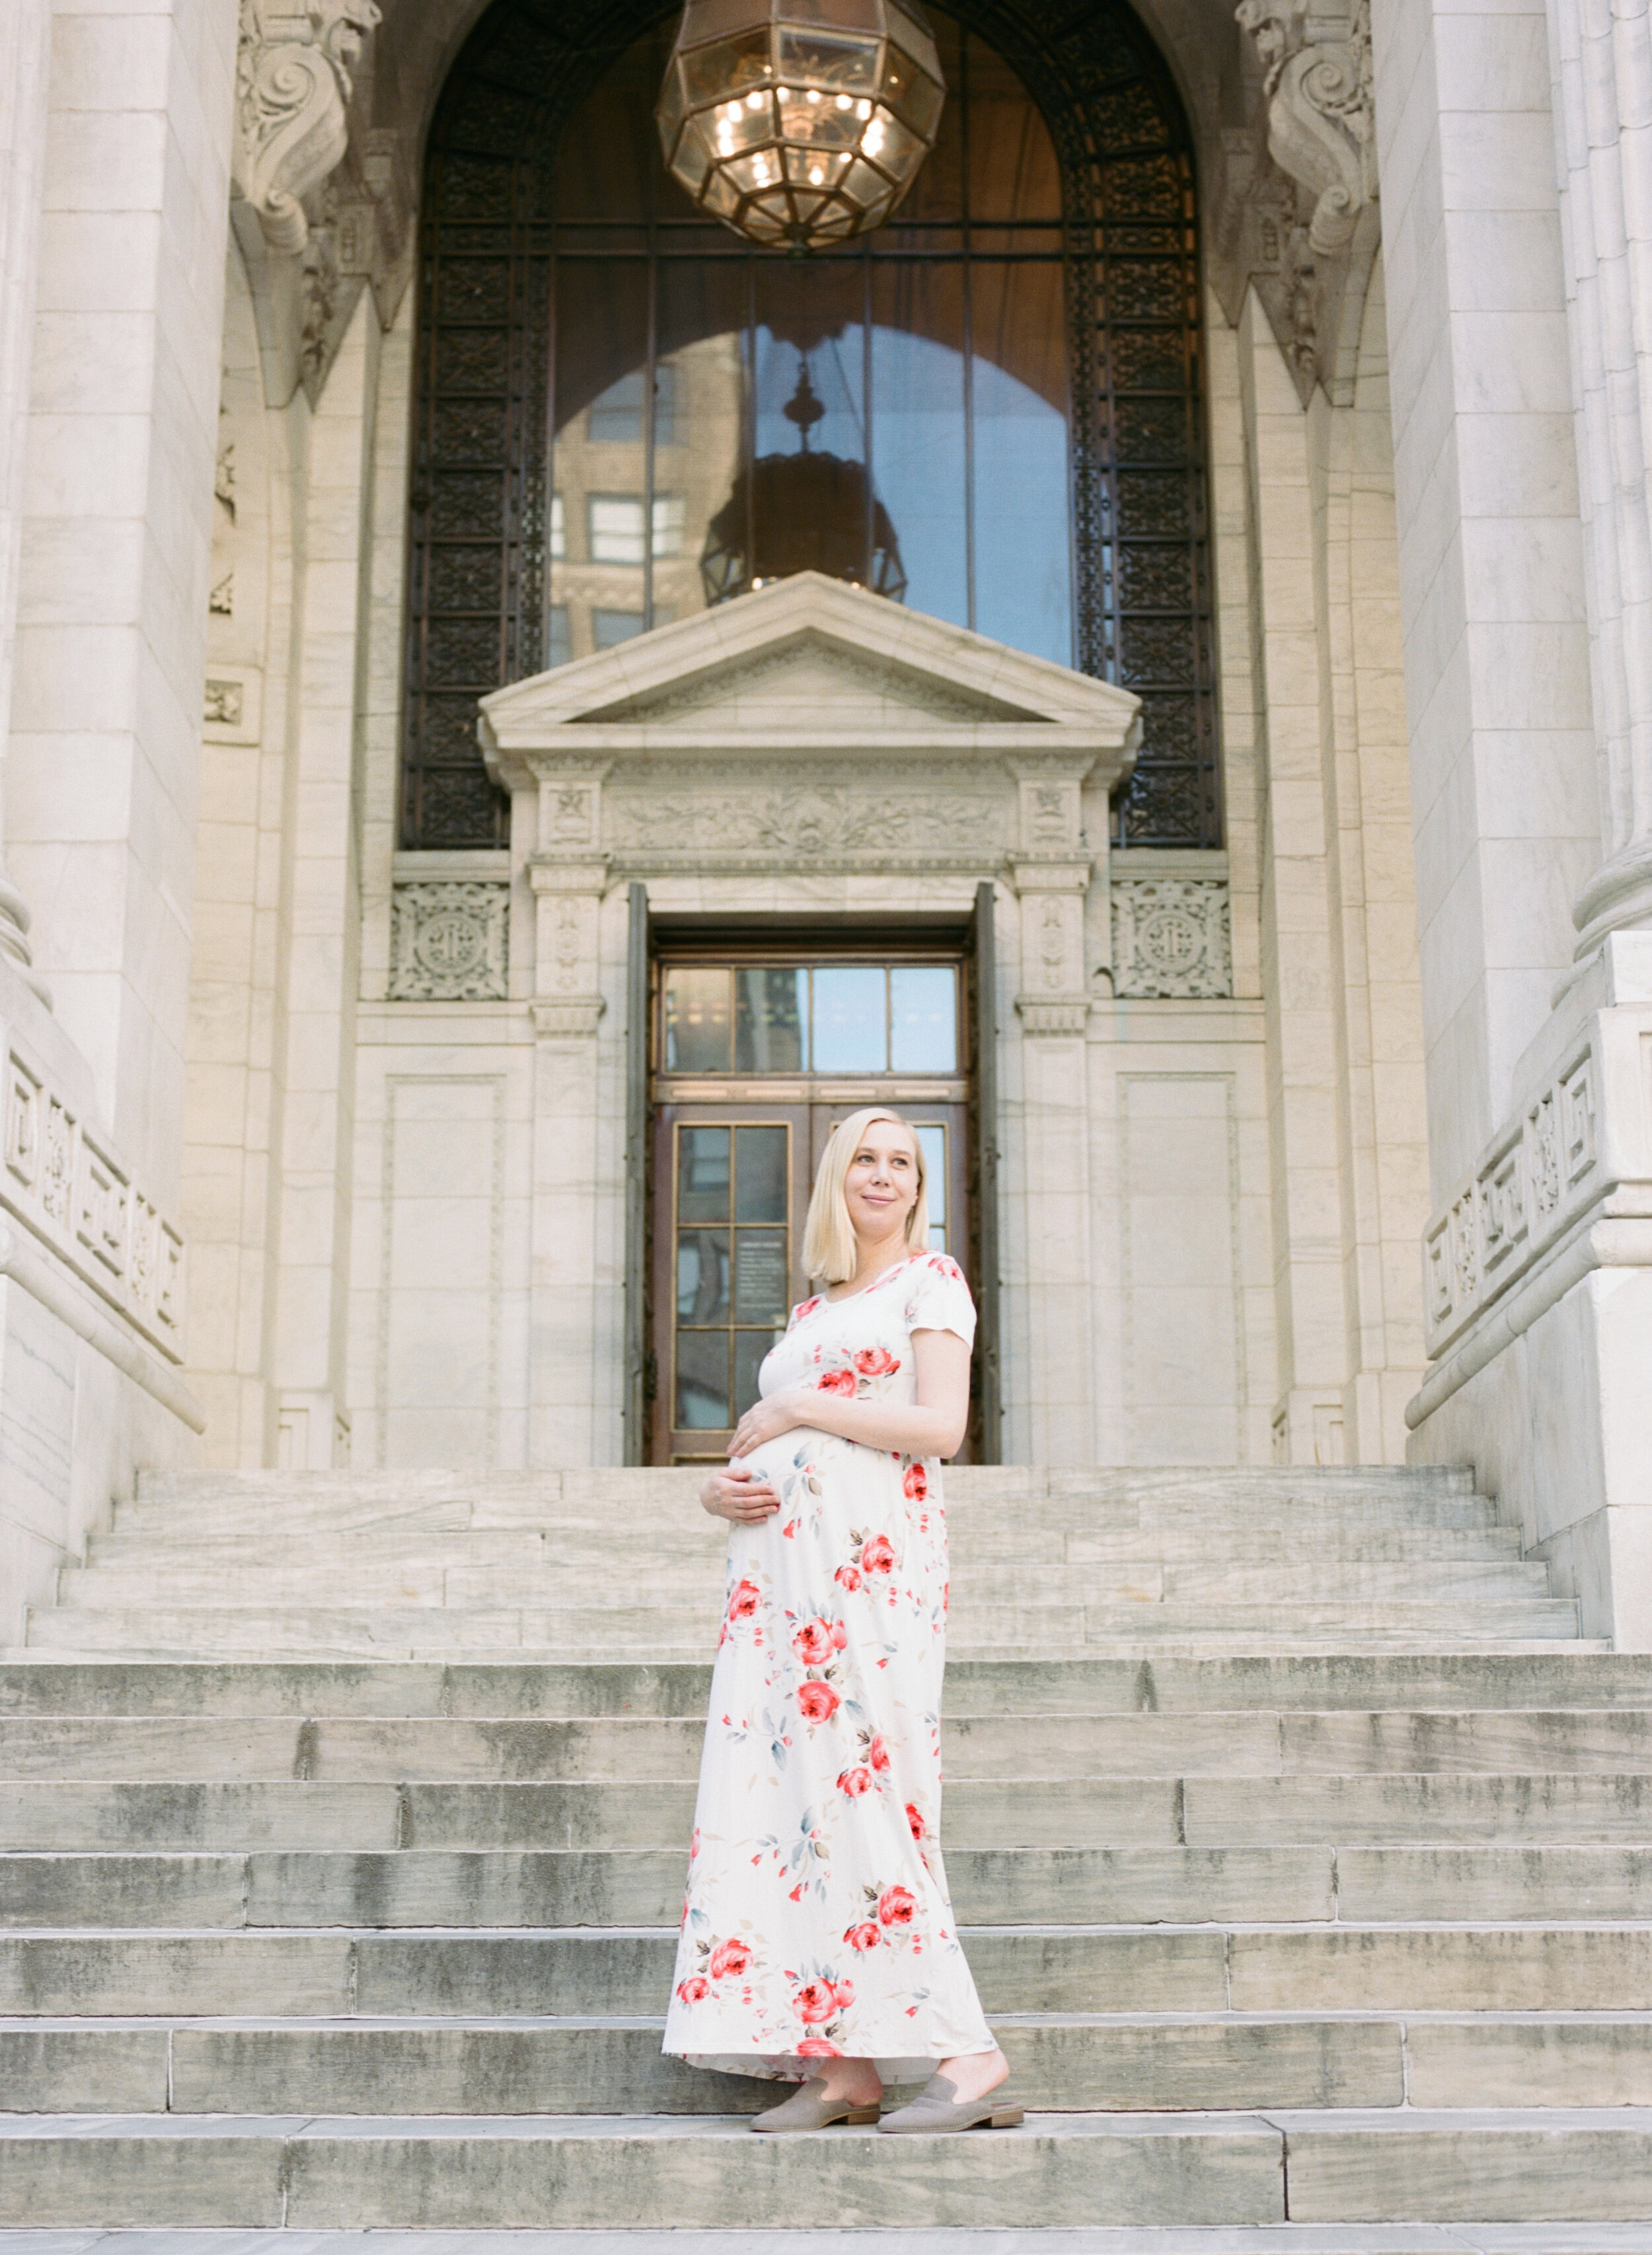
(801,121)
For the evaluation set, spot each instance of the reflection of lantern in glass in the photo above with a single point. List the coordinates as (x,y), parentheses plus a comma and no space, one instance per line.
(800,121)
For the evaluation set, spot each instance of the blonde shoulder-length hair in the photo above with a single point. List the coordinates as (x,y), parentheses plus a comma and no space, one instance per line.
(828,1234)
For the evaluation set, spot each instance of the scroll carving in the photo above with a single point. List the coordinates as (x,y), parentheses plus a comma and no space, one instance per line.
(293,89)
(1320,119)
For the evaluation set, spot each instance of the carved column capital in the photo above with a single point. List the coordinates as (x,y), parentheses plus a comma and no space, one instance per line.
(293,89)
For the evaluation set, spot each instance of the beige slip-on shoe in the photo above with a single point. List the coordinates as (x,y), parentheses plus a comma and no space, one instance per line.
(810,2109)
(936,2107)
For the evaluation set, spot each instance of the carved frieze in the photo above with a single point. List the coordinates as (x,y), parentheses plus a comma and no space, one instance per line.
(68,1185)
(791,822)
(1171,938)
(449,942)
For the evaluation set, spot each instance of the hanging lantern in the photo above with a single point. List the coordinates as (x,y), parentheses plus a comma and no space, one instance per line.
(801,121)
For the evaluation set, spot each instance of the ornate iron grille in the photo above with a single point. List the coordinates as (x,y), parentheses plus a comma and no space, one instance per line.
(477,594)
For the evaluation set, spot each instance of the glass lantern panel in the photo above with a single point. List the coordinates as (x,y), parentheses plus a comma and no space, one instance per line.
(716,20)
(734,127)
(912,91)
(720,195)
(749,173)
(836,222)
(890,145)
(815,168)
(819,60)
(671,104)
(835,15)
(915,39)
(865,186)
(824,121)
(691,160)
(714,72)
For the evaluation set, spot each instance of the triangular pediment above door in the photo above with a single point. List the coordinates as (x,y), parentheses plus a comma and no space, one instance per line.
(810,662)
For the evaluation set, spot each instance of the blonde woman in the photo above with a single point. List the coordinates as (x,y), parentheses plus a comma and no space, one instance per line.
(817,1943)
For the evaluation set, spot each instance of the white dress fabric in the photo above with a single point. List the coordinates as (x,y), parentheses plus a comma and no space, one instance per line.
(816,1921)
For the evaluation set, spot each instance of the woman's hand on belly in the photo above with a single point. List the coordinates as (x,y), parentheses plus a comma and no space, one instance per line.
(768,1419)
(740,1496)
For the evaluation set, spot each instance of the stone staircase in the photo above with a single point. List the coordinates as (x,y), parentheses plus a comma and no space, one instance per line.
(1302,1852)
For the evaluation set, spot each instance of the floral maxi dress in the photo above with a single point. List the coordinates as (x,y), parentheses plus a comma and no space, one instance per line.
(817,1921)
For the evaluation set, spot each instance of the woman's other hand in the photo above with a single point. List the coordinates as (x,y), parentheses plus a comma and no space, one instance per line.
(740,1496)
(766,1419)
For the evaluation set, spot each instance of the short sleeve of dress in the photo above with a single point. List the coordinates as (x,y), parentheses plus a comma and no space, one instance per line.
(803,1308)
(938,1298)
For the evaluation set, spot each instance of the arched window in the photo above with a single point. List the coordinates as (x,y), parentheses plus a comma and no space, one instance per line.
(988,409)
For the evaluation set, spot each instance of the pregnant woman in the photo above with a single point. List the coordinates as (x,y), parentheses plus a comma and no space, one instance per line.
(817,1943)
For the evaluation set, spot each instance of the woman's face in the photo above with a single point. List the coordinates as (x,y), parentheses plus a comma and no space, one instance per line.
(880,1188)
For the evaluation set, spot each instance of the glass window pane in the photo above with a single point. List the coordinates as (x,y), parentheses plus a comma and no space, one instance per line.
(557,647)
(918,389)
(609,628)
(749,1350)
(922,1018)
(616,527)
(760,1175)
(760,1276)
(697,1024)
(769,1010)
(1023,559)
(702,1381)
(615,416)
(702,1276)
(933,1140)
(848,1029)
(937,1237)
(702,1174)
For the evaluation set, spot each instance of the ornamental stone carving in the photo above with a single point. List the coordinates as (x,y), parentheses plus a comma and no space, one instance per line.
(1170,938)
(448,942)
(293,88)
(1320,117)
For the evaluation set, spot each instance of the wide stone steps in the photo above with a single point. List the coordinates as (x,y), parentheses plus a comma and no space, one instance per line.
(1302,1853)
(310,2173)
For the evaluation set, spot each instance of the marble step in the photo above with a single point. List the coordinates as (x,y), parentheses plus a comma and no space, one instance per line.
(1577,1676)
(593,2065)
(310,2172)
(501,1887)
(1259,1743)
(613,1591)
(641,1633)
(1529,1968)
(1039,1813)
(977,1544)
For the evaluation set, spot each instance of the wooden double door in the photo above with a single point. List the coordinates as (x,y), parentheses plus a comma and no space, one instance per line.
(731,1180)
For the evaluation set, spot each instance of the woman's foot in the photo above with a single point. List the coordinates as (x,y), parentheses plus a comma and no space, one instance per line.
(854,2080)
(973,2073)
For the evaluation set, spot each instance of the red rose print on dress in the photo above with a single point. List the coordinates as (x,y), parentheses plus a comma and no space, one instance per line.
(849,1576)
(731,1956)
(813,1643)
(844,1992)
(878,1752)
(877,1555)
(693,1989)
(916,1484)
(864,1936)
(914,1819)
(876,1362)
(744,1600)
(855,1782)
(814,2002)
(835,1381)
(818,2048)
(819,1703)
(896,1906)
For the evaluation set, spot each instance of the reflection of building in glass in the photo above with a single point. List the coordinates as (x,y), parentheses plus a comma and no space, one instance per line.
(624,557)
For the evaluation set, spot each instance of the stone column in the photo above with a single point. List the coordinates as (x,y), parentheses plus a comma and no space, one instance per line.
(1602,57)
(1050,871)
(101,777)
(577,1170)
(1491,581)
(25,27)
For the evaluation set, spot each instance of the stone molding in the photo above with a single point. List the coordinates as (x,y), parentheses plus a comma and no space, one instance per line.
(62,1179)
(450,942)
(1563,1187)
(1171,938)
